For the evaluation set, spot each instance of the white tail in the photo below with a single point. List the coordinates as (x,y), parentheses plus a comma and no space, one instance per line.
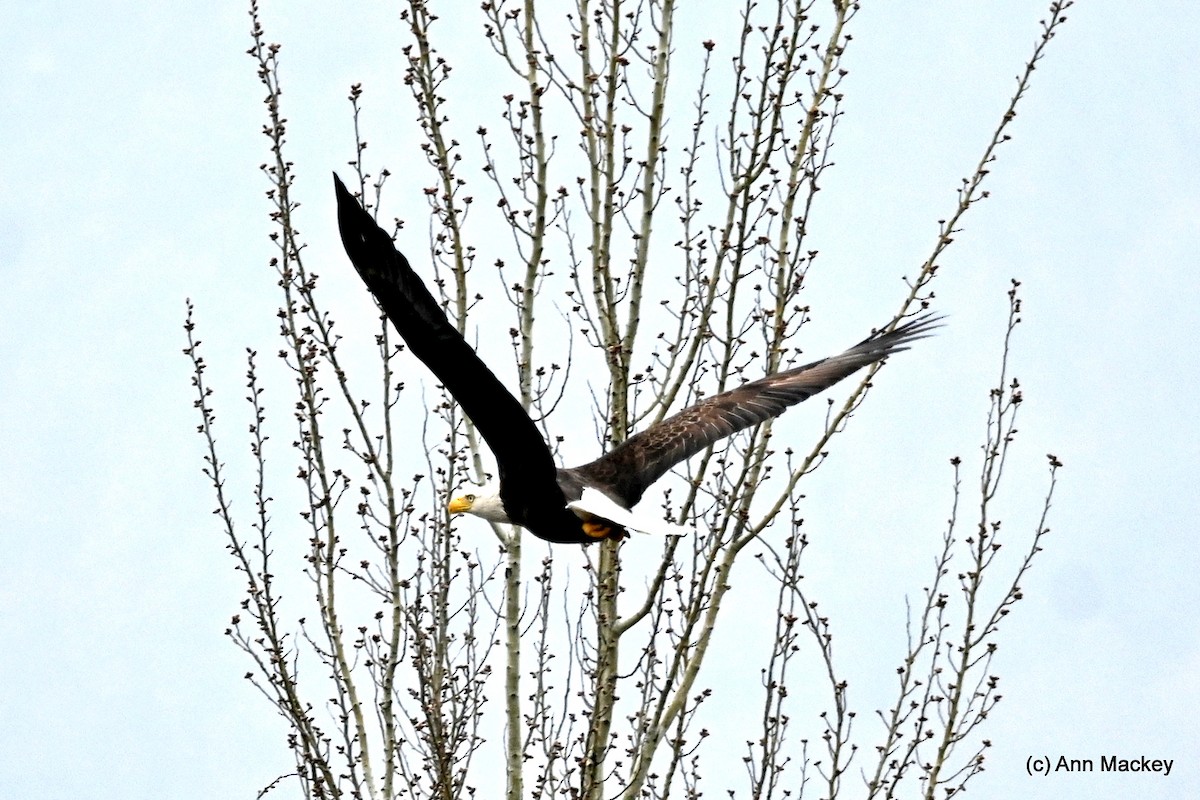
(598,504)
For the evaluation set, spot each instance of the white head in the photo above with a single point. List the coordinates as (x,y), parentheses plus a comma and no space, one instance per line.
(483,501)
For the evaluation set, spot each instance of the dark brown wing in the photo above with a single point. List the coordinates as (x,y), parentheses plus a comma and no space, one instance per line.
(527,470)
(639,461)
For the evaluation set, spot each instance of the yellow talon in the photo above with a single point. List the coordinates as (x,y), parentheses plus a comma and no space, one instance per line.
(596,530)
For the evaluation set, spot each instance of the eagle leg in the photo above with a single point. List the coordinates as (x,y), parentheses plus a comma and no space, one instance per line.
(596,530)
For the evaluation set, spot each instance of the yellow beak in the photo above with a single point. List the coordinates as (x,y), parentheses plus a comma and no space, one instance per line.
(459,505)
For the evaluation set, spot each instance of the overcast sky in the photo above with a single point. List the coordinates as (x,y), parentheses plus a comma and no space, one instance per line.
(129,182)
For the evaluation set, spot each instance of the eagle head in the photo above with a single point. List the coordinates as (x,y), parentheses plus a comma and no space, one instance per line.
(483,501)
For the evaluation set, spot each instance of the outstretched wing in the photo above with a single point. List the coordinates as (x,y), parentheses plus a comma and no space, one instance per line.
(631,467)
(527,469)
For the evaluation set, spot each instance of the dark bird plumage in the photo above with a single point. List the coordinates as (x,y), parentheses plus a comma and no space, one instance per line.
(533,492)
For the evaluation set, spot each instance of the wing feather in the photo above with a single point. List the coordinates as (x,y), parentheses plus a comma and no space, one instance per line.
(527,468)
(631,467)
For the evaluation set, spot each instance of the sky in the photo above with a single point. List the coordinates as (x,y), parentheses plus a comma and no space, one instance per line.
(129,182)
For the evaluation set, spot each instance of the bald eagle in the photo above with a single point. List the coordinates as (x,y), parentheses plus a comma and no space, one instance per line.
(592,501)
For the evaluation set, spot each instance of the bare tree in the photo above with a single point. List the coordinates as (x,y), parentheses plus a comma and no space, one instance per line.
(424,664)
